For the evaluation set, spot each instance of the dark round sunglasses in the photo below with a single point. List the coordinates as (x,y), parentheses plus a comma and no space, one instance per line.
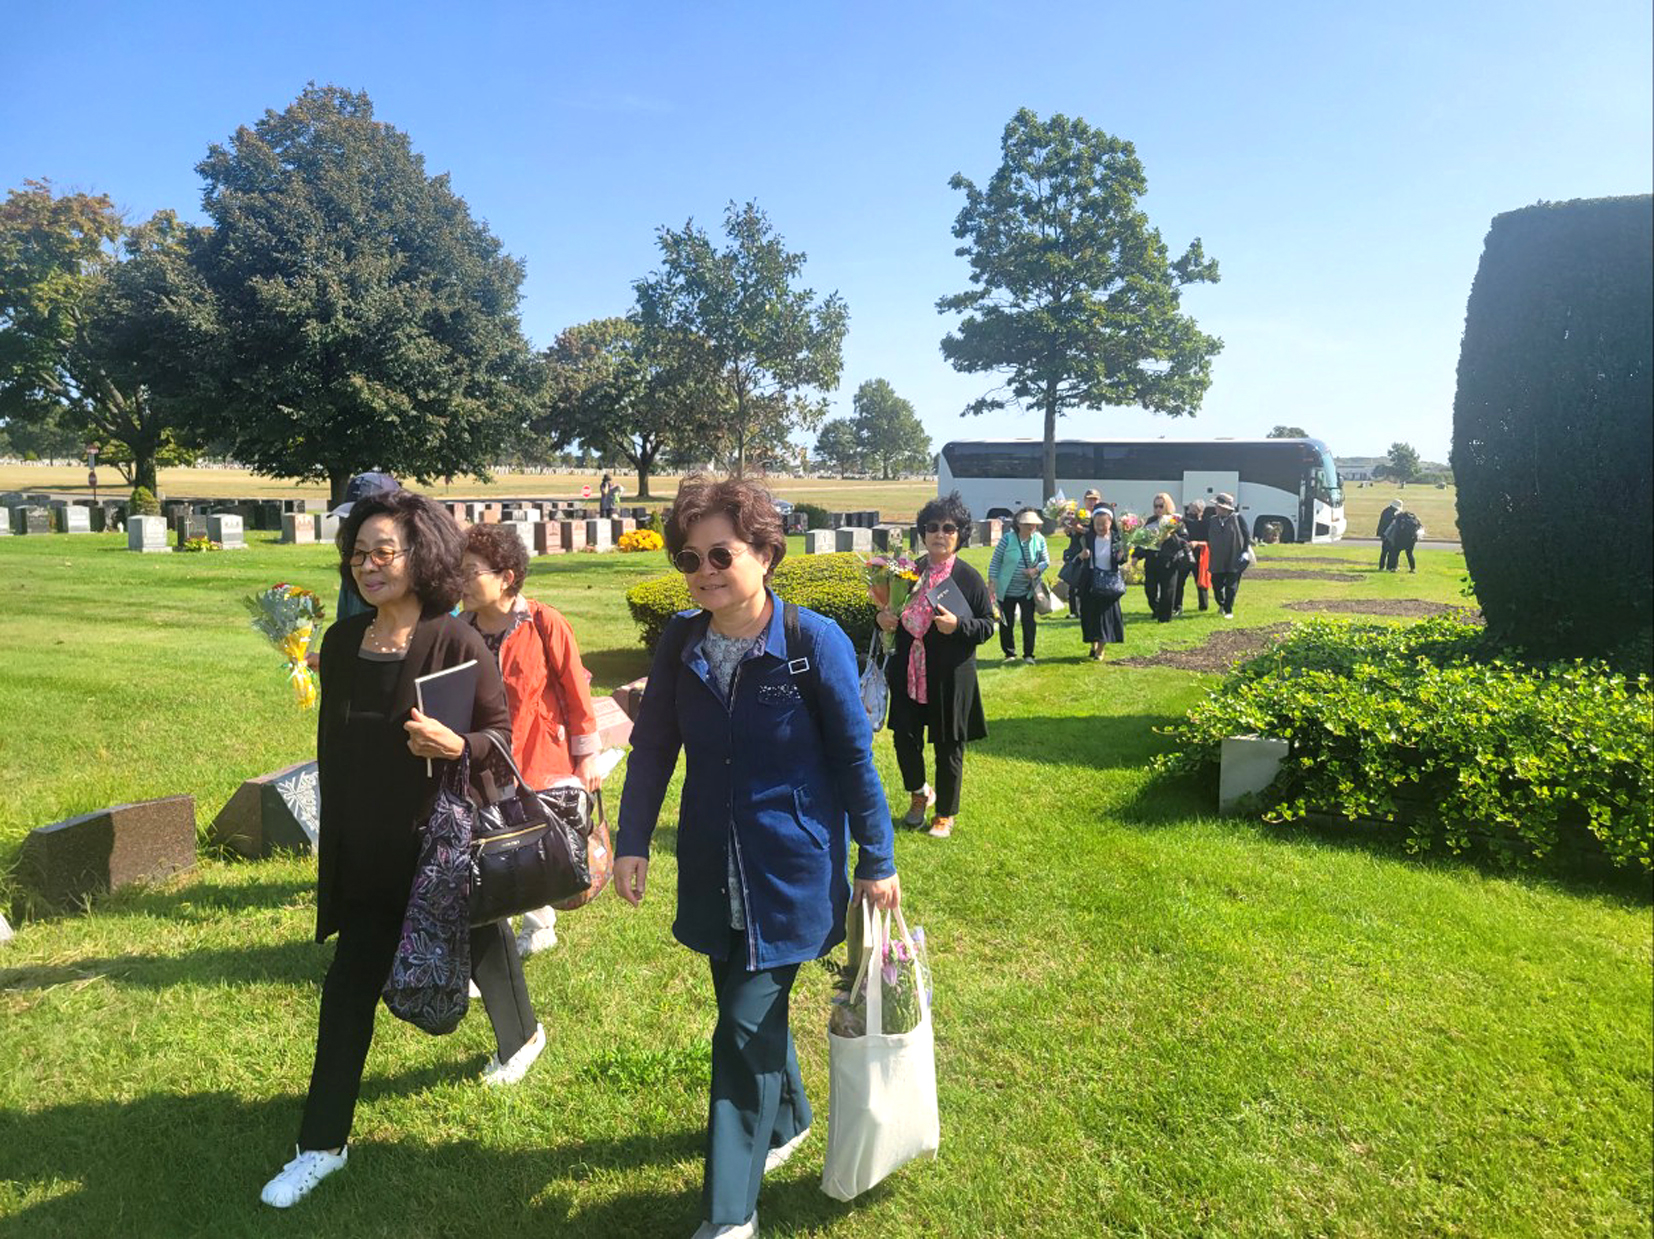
(689,562)
(944,527)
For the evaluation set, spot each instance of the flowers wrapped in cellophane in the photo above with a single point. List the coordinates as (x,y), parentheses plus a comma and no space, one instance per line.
(288,616)
(902,970)
(890,580)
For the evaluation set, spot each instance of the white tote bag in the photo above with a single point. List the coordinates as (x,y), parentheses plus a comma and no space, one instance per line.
(882,1106)
(875,691)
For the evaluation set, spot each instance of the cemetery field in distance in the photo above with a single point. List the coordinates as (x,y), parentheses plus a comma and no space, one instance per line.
(1150,1019)
(897,500)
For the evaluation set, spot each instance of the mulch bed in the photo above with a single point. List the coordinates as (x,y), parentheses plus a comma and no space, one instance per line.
(1415,608)
(1216,653)
(1305,574)
(1311,559)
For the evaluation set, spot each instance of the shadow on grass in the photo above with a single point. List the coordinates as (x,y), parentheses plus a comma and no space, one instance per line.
(1171,800)
(299,961)
(207,896)
(192,1164)
(1108,741)
(612,668)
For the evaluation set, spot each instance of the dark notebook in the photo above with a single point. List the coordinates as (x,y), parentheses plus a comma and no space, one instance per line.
(948,598)
(448,697)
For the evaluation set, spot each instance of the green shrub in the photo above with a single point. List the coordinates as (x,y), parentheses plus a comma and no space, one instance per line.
(1553,427)
(144,503)
(818,517)
(1417,727)
(833,585)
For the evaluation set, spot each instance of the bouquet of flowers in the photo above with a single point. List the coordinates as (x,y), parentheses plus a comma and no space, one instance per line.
(903,967)
(1146,537)
(1058,508)
(288,615)
(890,579)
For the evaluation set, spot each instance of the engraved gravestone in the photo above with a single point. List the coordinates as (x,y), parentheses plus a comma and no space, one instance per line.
(227,531)
(146,533)
(280,810)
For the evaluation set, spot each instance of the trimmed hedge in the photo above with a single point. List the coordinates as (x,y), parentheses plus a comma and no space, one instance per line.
(1415,727)
(834,585)
(1553,429)
(816,517)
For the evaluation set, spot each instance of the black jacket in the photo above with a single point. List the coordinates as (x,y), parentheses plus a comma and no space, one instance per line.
(954,708)
(1229,538)
(439,641)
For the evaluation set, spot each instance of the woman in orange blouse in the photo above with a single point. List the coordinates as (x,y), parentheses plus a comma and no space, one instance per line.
(553,726)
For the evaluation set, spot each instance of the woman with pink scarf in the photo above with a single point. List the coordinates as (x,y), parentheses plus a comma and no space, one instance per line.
(932,674)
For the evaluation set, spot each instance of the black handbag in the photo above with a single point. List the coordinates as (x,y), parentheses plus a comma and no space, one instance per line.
(529,849)
(1108,583)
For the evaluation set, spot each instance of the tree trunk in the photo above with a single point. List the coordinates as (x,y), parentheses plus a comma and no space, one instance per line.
(144,472)
(1049,464)
(337,480)
(645,461)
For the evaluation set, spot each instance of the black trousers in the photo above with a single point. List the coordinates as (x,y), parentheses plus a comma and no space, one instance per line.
(1008,608)
(361,965)
(950,768)
(1160,584)
(1226,585)
(1389,558)
(1183,575)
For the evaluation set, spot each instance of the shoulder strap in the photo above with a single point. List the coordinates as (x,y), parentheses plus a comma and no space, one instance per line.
(799,663)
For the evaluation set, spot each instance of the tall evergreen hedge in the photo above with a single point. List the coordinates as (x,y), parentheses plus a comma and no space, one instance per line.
(1553,428)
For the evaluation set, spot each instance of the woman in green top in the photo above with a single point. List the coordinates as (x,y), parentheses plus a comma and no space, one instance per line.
(1018,562)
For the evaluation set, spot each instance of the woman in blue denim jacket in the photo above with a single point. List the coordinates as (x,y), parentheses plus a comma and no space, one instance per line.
(779,776)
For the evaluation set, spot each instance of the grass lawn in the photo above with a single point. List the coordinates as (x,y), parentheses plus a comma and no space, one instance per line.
(1438,509)
(1150,1020)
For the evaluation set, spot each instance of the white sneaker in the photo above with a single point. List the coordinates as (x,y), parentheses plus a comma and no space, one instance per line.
(498,1074)
(777,1157)
(300,1175)
(474,991)
(741,1230)
(533,941)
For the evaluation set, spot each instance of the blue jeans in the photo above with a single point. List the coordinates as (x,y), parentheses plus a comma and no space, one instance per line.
(757,1101)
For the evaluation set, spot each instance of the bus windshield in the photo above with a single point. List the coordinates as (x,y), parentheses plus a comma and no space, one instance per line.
(1327,486)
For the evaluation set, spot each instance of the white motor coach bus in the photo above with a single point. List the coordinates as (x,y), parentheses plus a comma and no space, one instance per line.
(1292,481)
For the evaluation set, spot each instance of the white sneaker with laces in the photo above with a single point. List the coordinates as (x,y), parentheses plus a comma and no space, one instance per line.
(777,1157)
(497,1074)
(741,1230)
(301,1175)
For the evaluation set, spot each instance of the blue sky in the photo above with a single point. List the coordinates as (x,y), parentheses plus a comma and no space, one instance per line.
(1341,163)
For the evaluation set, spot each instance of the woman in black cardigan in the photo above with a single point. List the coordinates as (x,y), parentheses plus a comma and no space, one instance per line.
(400,553)
(933,682)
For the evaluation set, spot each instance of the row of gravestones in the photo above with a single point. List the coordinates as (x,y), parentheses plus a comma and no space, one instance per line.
(885,538)
(63,865)
(23,515)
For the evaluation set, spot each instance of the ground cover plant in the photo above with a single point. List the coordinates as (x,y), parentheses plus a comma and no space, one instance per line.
(1150,1020)
(1426,729)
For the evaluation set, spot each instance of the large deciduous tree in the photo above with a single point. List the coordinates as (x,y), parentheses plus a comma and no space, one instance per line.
(838,447)
(892,438)
(100,324)
(367,319)
(768,344)
(1288,432)
(626,392)
(1073,295)
(1402,463)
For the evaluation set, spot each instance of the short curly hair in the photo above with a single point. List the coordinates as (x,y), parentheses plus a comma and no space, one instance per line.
(434,545)
(945,508)
(750,509)
(502,550)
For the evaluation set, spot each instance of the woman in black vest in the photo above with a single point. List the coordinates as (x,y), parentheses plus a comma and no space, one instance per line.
(933,679)
(400,553)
